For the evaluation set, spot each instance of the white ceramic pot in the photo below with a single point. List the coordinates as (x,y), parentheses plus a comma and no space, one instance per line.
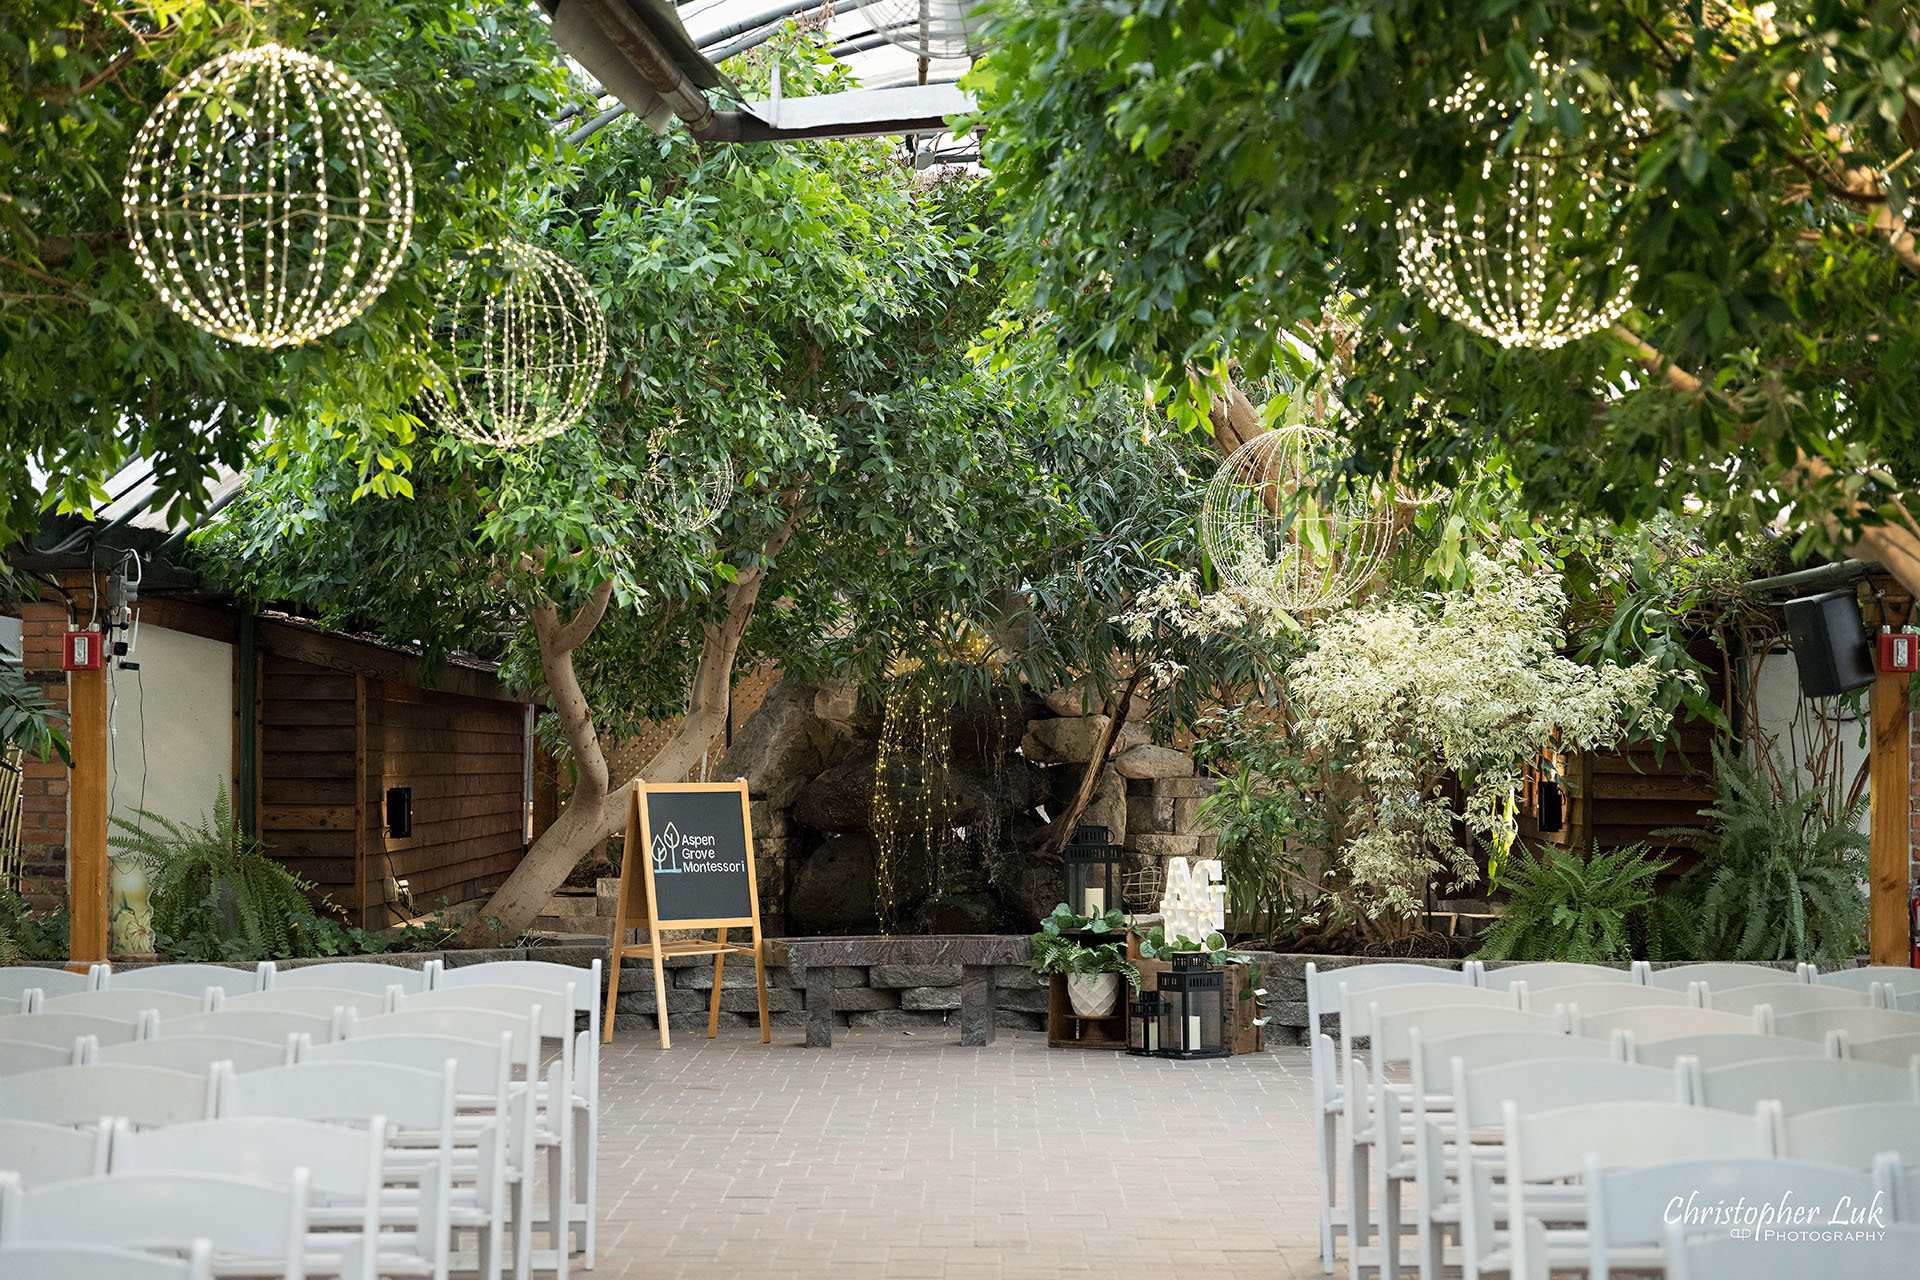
(1093,995)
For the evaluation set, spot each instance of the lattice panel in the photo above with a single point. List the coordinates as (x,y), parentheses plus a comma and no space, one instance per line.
(625,761)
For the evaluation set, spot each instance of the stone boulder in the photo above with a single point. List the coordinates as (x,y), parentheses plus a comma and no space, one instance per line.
(1073,739)
(986,728)
(784,744)
(834,889)
(1149,761)
(841,798)
(1107,808)
(1077,698)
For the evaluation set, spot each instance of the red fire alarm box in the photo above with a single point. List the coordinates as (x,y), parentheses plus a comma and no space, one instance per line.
(1899,650)
(81,652)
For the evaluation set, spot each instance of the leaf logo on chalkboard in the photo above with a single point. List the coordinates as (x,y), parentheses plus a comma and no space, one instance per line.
(666,849)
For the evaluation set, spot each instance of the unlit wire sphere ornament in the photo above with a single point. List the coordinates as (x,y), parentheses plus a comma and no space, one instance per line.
(268,198)
(686,497)
(1505,263)
(1274,536)
(929,28)
(519,345)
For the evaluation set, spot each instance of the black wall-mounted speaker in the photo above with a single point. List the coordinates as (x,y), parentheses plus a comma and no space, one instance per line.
(399,813)
(1829,644)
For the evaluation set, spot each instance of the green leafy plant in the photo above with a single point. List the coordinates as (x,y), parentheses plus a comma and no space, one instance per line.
(216,894)
(1600,909)
(1154,943)
(1056,950)
(1777,880)
(28,720)
(26,934)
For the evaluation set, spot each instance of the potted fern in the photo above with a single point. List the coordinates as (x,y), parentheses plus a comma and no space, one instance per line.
(1094,969)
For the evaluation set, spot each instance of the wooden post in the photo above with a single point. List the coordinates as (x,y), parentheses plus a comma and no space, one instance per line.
(87,802)
(1887,853)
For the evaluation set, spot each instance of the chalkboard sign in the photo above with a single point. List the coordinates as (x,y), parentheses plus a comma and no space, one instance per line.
(699,854)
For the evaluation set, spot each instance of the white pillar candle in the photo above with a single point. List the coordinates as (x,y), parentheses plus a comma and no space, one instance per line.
(1096,902)
(1193,1031)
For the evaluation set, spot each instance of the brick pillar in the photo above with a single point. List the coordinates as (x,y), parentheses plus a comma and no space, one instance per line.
(43,825)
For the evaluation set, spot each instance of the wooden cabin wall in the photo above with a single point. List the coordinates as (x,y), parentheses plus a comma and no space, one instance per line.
(309,774)
(464,758)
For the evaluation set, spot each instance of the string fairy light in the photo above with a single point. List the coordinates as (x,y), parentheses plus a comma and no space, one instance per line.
(1275,538)
(268,198)
(1504,268)
(668,499)
(520,343)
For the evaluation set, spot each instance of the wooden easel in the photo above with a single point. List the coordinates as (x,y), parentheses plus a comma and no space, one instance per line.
(641,910)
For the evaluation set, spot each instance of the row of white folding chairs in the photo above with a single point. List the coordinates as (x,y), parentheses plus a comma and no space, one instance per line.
(194,979)
(1456,1012)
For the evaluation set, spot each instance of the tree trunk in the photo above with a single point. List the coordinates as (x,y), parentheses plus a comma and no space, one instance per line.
(1061,829)
(594,812)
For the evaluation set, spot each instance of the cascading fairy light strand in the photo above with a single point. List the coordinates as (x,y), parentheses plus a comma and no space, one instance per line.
(1509,273)
(237,202)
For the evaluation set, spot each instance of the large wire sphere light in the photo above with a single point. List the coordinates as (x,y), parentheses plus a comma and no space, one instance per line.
(519,345)
(1507,262)
(684,497)
(268,198)
(929,28)
(1273,535)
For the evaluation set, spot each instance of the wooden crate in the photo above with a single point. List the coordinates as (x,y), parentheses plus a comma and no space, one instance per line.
(1242,1035)
(1068,1030)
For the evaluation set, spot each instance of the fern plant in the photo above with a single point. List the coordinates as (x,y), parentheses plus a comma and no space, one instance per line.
(215,893)
(1777,880)
(29,935)
(1600,909)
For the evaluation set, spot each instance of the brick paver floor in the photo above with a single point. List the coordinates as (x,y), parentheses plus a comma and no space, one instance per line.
(904,1156)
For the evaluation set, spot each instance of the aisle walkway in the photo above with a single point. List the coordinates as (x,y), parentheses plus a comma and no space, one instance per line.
(906,1156)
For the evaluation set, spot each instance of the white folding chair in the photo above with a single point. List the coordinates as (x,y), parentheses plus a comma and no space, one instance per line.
(1784,998)
(128,1005)
(1853,1134)
(99,1262)
(1854,1024)
(1722,976)
(1898,977)
(343,1167)
(197,1054)
(186,979)
(352,975)
(28,1003)
(1903,1001)
(1802,1084)
(18,979)
(60,1030)
(550,1099)
(1328,1069)
(1432,1062)
(26,1055)
(484,1155)
(586,986)
(266,1226)
(1628,1210)
(321,1002)
(1893,1051)
(38,1153)
(1661,1023)
(269,1026)
(1716,1255)
(1555,1145)
(1724,1048)
(1544,975)
(413,1103)
(1483,1099)
(81,1095)
(1587,998)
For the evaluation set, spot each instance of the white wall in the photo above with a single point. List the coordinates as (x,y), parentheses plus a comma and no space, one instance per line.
(172,726)
(1777,702)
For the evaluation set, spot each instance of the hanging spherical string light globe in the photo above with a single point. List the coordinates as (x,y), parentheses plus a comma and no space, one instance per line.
(519,345)
(929,28)
(1515,259)
(268,198)
(1276,538)
(685,496)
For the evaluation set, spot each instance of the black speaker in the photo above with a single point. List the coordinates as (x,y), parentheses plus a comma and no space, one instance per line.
(399,813)
(1829,644)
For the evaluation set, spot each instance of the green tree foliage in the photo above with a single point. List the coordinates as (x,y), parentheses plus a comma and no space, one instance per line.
(1776,880)
(29,935)
(1187,185)
(1604,908)
(93,368)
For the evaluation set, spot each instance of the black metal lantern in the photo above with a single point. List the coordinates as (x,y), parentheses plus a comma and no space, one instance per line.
(1143,1024)
(1093,872)
(1193,1021)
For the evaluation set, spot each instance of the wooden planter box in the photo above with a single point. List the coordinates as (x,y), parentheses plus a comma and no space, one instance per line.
(1068,1030)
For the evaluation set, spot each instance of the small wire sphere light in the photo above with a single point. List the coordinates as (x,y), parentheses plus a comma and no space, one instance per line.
(1507,267)
(519,345)
(679,499)
(268,198)
(1272,534)
(928,28)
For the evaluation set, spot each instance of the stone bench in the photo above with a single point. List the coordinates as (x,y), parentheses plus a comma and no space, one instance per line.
(975,953)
